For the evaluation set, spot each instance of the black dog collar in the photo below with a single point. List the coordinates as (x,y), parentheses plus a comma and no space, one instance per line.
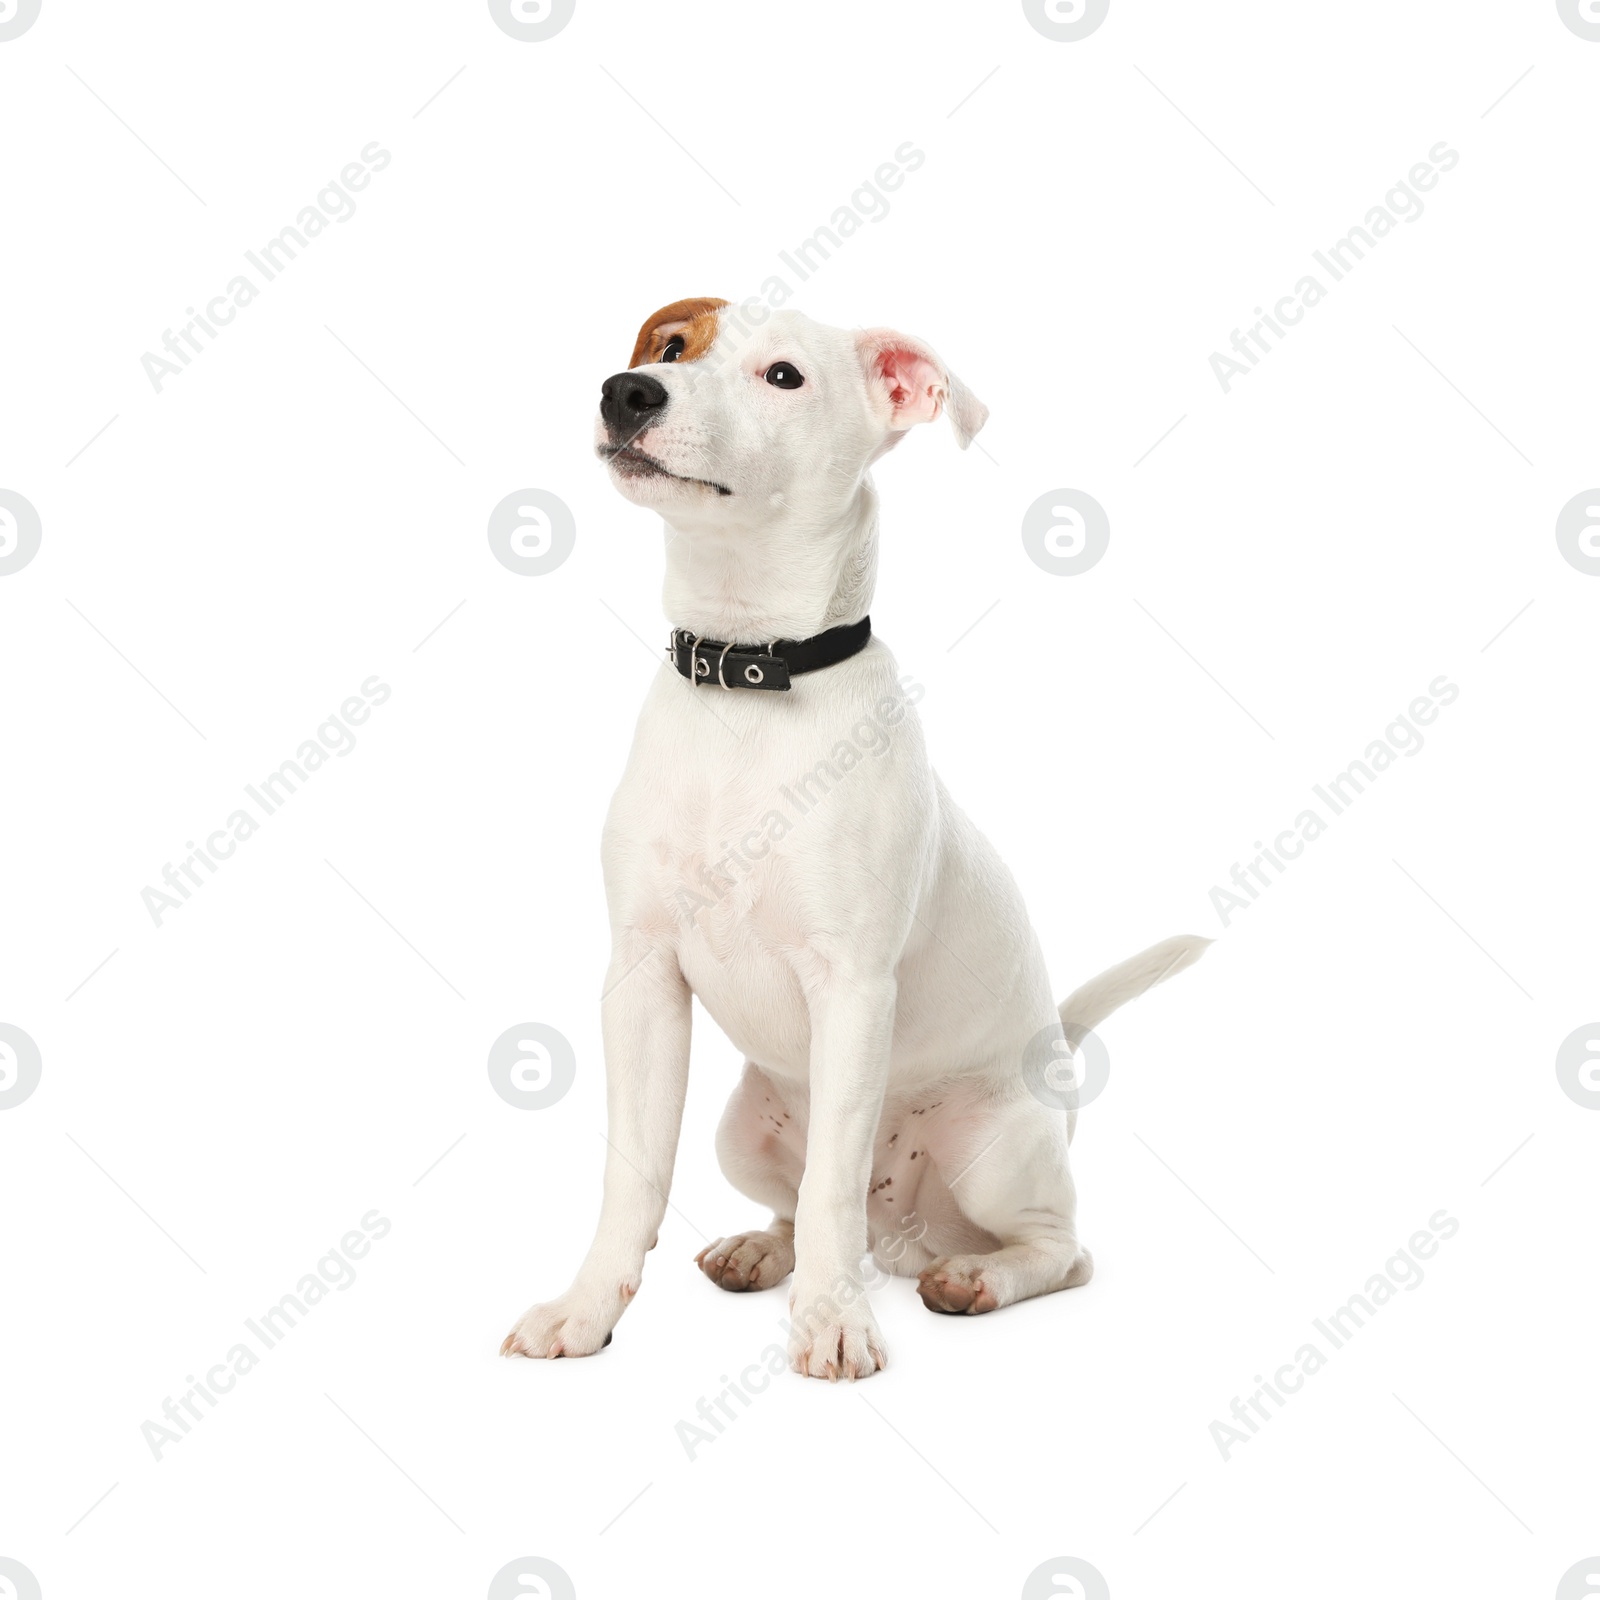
(764,666)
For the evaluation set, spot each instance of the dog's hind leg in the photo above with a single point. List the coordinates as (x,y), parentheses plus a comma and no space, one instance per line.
(1008,1170)
(761,1149)
(1010,1176)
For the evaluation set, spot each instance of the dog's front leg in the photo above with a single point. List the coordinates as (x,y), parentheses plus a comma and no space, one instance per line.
(832,1331)
(645,1022)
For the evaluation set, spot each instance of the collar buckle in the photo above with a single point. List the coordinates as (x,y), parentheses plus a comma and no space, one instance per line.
(768,666)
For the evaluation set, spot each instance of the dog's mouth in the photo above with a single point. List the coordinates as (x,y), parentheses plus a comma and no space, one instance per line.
(629,461)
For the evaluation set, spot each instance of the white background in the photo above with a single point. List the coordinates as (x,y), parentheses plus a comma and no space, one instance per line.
(230,1092)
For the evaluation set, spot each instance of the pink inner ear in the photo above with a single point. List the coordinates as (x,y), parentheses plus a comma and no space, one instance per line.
(914,384)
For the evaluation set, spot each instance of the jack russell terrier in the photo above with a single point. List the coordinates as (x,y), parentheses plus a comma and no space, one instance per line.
(877,969)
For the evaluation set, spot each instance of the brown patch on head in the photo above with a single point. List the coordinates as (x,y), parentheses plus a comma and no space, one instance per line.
(694,321)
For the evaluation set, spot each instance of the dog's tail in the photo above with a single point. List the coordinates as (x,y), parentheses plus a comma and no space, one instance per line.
(1116,986)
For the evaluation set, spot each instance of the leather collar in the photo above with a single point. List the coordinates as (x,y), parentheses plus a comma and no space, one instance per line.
(763,666)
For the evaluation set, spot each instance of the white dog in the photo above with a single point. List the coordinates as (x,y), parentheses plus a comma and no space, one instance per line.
(780,847)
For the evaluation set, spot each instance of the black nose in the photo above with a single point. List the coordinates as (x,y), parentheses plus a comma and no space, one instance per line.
(630,402)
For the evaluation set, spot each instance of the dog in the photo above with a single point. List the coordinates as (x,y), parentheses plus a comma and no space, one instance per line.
(845,925)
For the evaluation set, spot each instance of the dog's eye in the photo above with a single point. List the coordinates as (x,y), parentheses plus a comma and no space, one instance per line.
(782,376)
(674,348)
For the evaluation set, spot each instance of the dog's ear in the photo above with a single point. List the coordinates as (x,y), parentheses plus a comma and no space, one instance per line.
(695,320)
(909,384)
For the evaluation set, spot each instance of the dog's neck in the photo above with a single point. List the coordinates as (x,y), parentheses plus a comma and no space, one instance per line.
(782,574)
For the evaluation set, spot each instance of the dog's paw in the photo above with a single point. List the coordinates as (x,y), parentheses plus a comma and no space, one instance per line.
(748,1261)
(954,1285)
(845,1343)
(570,1326)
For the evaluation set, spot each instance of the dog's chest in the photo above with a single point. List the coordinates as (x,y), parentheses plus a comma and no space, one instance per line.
(723,841)
(713,878)
(744,830)
(724,866)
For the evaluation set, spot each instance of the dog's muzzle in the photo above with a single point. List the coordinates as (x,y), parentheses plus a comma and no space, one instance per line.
(763,666)
(629,403)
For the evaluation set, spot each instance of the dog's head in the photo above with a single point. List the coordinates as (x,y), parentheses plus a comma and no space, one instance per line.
(721,420)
